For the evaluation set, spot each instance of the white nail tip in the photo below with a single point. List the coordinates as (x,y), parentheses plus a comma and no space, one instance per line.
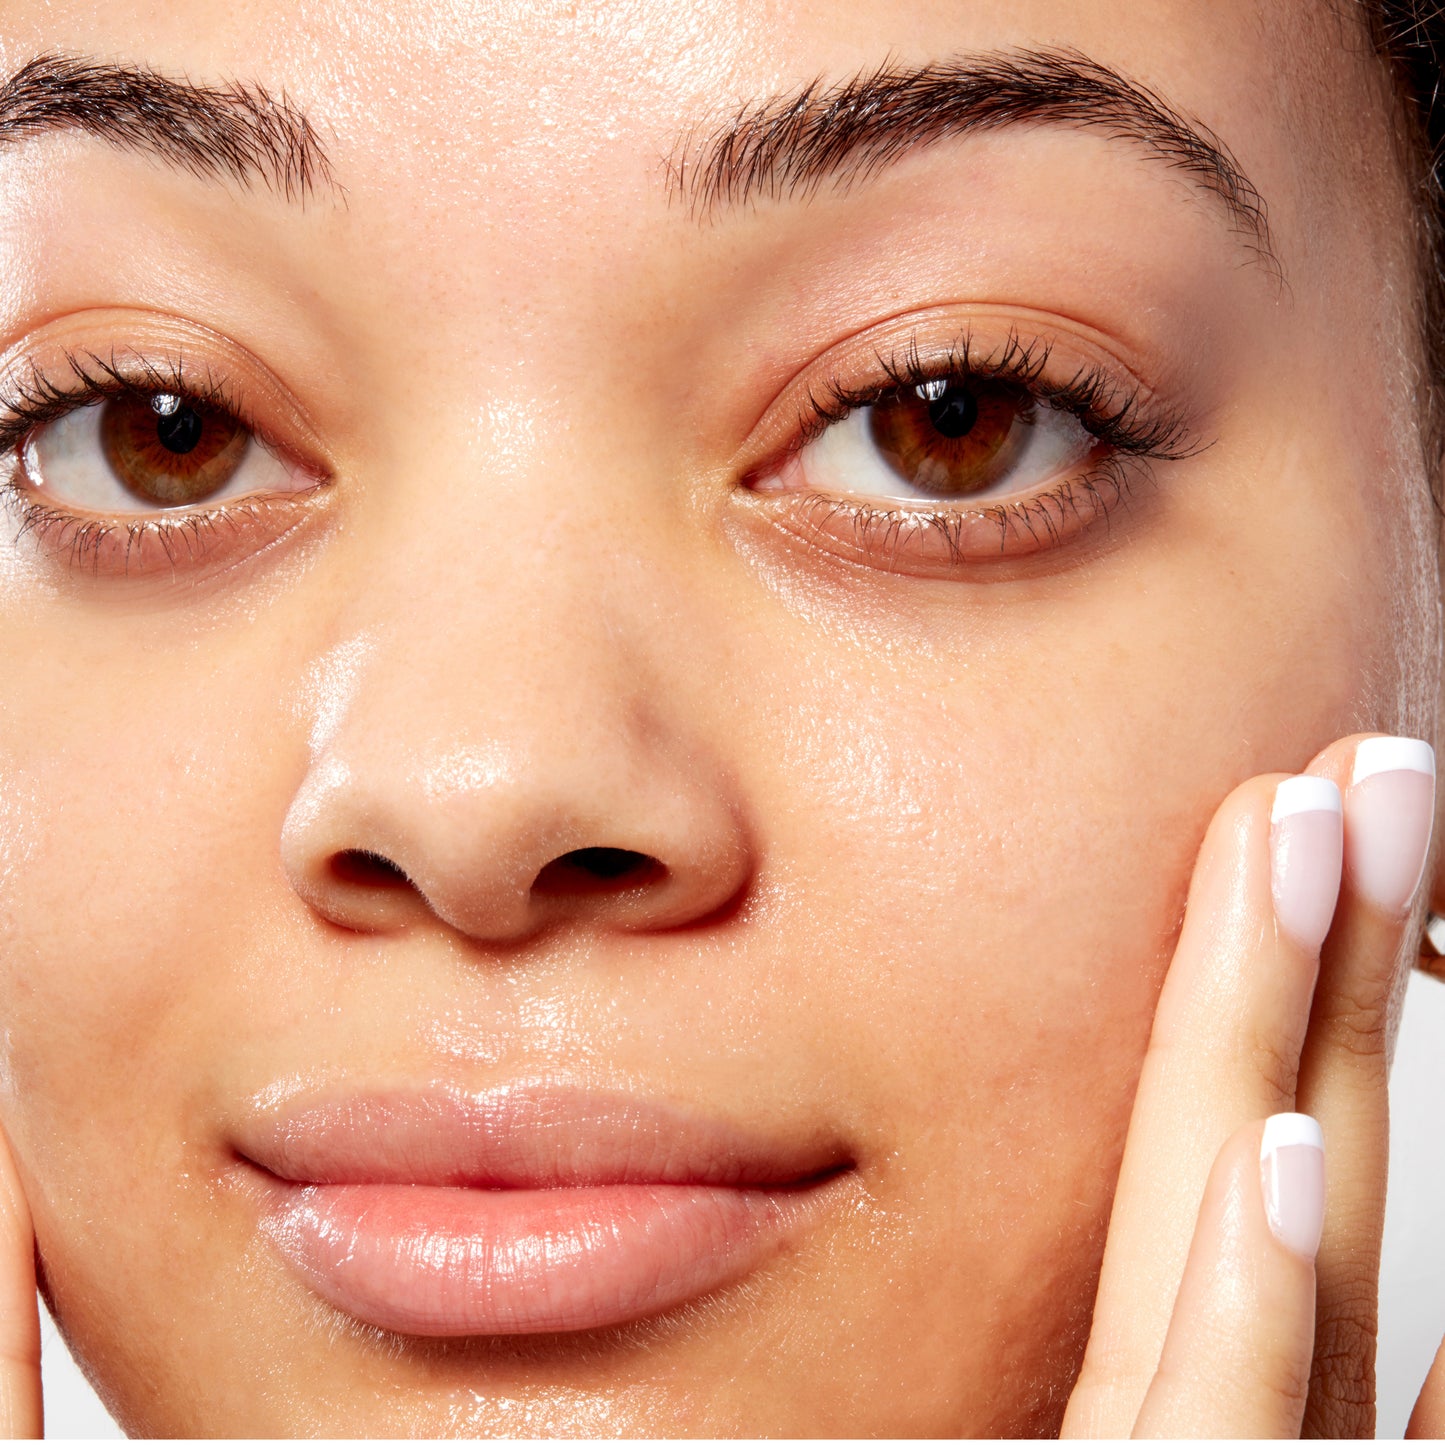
(1305,794)
(1282,1130)
(1391,755)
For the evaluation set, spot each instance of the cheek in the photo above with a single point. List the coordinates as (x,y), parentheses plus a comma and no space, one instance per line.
(128,888)
(134,844)
(990,852)
(1009,839)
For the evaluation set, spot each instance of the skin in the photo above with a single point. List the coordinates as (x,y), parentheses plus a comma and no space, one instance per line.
(930,836)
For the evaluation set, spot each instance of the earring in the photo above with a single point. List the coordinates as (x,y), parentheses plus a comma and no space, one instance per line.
(1432,946)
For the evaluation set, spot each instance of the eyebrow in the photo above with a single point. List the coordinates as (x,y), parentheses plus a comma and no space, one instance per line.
(236,132)
(789,146)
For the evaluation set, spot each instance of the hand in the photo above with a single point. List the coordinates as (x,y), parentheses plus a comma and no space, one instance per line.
(1207,1322)
(20,1410)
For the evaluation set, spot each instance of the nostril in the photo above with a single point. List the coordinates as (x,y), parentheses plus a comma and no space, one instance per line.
(367,870)
(597,870)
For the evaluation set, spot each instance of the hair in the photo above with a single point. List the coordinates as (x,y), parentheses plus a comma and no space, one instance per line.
(1409,35)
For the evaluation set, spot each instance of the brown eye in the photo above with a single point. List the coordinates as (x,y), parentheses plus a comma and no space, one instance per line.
(952,437)
(170,451)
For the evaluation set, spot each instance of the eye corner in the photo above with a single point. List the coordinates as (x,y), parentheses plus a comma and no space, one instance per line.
(762,476)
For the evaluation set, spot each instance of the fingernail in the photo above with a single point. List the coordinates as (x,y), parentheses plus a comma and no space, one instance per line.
(1391,810)
(1306,847)
(1292,1175)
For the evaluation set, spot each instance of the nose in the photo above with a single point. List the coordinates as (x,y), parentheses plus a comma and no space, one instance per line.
(504,787)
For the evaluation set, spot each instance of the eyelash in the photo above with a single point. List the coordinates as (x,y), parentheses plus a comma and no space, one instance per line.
(34,400)
(1133,427)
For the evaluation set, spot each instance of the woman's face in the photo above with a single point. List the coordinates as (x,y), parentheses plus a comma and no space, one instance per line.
(560,541)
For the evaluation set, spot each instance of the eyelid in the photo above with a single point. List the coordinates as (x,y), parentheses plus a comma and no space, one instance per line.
(859,362)
(145,345)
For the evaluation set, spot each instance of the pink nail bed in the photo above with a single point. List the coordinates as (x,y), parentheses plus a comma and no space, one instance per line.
(1306,851)
(1292,1178)
(1389,814)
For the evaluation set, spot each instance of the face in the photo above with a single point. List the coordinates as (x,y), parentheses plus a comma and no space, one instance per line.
(596,648)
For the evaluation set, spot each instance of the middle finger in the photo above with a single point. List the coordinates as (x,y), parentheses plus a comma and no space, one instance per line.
(1389,786)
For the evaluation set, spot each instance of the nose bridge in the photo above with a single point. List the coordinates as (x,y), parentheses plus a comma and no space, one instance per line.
(510,597)
(491,707)
(526,711)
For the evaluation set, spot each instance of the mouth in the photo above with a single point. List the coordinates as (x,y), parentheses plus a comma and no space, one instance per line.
(524,1210)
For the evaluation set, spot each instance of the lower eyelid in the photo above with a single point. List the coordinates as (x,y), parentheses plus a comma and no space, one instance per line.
(935,541)
(164,545)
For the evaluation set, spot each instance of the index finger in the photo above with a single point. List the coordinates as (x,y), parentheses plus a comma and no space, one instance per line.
(20,1408)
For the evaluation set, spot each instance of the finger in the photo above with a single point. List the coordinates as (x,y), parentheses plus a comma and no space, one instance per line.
(1236,1360)
(1389,786)
(1223,1052)
(20,1414)
(1427,1419)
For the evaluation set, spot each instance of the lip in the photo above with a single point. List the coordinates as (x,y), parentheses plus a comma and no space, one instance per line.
(524,1210)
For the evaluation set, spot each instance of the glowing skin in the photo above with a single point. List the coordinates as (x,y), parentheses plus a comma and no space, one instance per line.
(926,833)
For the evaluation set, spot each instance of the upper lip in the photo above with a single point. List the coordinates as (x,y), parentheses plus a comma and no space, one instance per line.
(524,1137)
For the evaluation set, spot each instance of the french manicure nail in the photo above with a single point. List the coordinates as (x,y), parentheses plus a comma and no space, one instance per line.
(1306,850)
(1292,1176)
(1391,810)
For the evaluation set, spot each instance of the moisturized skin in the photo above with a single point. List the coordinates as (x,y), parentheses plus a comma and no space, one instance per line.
(539,574)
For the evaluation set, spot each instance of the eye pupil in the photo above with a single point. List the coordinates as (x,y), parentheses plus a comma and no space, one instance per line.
(179,430)
(952,409)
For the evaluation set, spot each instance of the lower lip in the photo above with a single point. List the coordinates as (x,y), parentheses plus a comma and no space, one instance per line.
(431,1260)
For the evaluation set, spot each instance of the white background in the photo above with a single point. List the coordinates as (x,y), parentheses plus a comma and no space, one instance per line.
(1412,1277)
